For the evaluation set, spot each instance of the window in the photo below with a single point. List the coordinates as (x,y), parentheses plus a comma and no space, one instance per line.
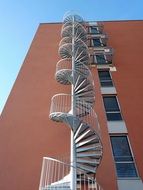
(123,157)
(96,42)
(94,30)
(100,59)
(112,108)
(105,78)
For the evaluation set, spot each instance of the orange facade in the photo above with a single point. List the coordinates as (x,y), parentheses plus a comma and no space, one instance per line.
(26,132)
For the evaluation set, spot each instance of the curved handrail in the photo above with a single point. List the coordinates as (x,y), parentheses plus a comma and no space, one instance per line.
(61,176)
(61,103)
(78,42)
(80,32)
(70,16)
(81,53)
(81,68)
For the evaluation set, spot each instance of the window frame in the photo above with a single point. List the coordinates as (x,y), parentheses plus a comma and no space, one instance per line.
(105,80)
(93,59)
(96,60)
(125,162)
(92,42)
(113,112)
(93,33)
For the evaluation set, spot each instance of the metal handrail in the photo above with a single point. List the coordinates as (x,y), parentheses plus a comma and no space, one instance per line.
(102,36)
(78,42)
(79,31)
(68,17)
(103,49)
(81,53)
(61,103)
(60,176)
(65,64)
(82,24)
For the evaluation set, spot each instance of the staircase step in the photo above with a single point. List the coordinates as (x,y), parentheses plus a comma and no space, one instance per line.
(80,129)
(88,100)
(86,93)
(79,82)
(94,155)
(88,161)
(86,142)
(86,168)
(84,89)
(88,137)
(83,135)
(89,148)
(87,85)
(73,122)
(77,131)
(83,106)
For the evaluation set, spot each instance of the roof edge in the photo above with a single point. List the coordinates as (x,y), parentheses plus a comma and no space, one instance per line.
(136,20)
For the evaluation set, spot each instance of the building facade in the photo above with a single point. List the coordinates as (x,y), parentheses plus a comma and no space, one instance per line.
(26,132)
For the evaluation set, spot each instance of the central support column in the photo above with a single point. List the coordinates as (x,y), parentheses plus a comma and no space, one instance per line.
(73,107)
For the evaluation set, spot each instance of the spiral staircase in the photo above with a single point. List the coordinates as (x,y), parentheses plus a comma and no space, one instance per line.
(76,110)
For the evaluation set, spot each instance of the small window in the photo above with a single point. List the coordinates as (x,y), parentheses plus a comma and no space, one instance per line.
(94,30)
(105,78)
(96,42)
(123,157)
(100,59)
(112,108)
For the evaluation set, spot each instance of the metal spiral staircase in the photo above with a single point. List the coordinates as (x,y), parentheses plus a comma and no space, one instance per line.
(76,110)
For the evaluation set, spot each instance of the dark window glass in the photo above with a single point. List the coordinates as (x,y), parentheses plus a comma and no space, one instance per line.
(105,78)
(121,149)
(96,42)
(100,59)
(114,116)
(106,83)
(110,103)
(112,108)
(123,157)
(94,30)
(126,170)
(104,75)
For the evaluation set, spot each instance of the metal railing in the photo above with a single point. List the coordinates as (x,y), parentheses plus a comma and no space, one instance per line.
(61,103)
(55,175)
(105,50)
(65,65)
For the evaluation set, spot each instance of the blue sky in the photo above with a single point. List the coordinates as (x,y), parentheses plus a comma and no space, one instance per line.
(20,19)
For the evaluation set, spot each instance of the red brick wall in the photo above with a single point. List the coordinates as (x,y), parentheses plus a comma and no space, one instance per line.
(27,134)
